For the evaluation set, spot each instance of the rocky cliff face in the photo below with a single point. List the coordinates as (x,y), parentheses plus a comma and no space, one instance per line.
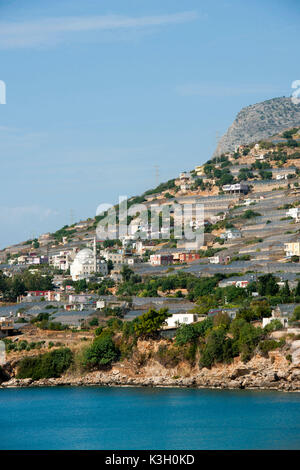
(274,372)
(260,121)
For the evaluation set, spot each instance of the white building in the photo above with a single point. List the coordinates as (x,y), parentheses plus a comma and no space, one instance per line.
(85,264)
(100,304)
(283,321)
(184,181)
(219,259)
(178,319)
(243,284)
(294,212)
(236,188)
(24,260)
(116,258)
(292,249)
(231,234)
(63,259)
(161,260)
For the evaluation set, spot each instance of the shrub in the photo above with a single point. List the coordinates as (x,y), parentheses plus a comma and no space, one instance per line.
(168,357)
(245,337)
(98,330)
(274,325)
(185,334)
(269,345)
(249,214)
(221,319)
(102,351)
(94,322)
(190,333)
(50,364)
(296,314)
(218,348)
(149,323)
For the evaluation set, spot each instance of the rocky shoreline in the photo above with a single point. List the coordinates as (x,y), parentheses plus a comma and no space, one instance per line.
(272,372)
(271,383)
(258,374)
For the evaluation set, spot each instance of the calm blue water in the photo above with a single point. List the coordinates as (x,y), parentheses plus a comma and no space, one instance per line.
(142,418)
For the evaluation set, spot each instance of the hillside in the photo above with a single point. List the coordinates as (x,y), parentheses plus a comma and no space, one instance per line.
(270,169)
(259,121)
(239,294)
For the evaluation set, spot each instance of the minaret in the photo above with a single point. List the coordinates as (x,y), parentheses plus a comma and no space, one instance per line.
(95,255)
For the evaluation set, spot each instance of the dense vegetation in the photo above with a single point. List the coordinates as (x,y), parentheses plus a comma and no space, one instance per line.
(44,366)
(12,287)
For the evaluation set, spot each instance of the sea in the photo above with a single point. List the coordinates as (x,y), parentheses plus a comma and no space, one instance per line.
(126,418)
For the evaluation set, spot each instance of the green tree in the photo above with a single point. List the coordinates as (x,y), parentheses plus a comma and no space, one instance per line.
(102,351)
(245,337)
(267,285)
(50,364)
(80,286)
(126,273)
(110,266)
(185,334)
(218,348)
(285,291)
(296,314)
(222,319)
(94,322)
(149,323)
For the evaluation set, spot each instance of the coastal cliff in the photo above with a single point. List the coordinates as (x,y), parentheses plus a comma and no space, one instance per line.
(274,372)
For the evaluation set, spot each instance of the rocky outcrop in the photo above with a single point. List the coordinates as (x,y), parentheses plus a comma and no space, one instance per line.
(260,121)
(272,373)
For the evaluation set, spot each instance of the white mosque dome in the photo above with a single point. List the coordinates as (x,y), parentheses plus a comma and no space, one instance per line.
(84,256)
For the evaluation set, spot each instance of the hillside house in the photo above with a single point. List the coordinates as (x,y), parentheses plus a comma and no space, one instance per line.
(219,259)
(6,326)
(237,188)
(161,260)
(178,319)
(292,249)
(37,293)
(266,321)
(231,234)
(185,257)
(199,170)
(184,181)
(142,246)
(231,312)
(281,312)
(32,259)
(114,257)
(63,259)
(294,212)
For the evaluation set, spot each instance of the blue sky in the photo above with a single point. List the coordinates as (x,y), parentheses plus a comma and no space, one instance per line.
(99,92)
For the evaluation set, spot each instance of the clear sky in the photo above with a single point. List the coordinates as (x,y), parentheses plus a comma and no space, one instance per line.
(99,92)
